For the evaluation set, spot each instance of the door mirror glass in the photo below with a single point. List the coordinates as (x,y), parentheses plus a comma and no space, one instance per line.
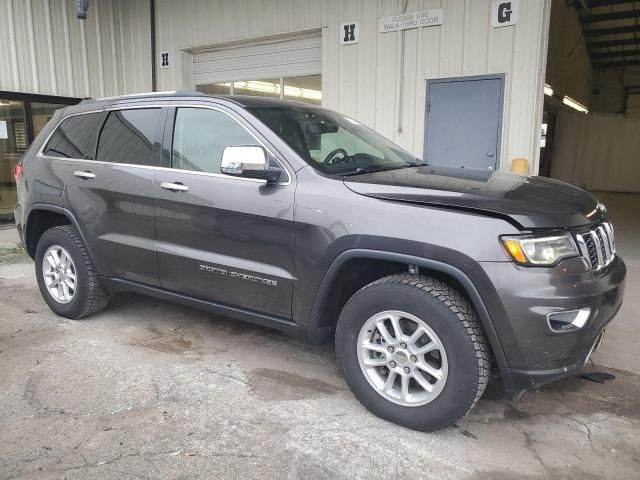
(247,162)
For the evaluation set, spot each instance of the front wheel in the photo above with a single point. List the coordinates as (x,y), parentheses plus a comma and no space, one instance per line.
(413,351)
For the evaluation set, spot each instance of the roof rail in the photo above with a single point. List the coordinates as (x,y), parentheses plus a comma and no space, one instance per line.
(189,93)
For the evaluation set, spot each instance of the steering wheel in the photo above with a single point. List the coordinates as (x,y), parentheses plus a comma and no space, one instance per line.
(329,158)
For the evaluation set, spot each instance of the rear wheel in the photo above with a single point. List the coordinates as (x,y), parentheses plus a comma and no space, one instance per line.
(66,276)
(413,351)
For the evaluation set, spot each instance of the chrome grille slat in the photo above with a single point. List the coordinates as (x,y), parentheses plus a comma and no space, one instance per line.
(605,244)
(612,244)
(597,246)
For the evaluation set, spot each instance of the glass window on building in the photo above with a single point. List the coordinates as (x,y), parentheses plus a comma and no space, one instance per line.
(22,118)
(13,144)
(258,88)
(306,88)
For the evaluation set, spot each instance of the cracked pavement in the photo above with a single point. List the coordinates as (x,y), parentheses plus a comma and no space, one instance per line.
(148,389)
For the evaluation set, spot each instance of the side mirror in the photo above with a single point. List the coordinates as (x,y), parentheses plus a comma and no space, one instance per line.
(247,162)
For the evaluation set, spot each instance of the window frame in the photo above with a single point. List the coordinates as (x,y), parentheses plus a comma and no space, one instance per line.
(166,136)
(169,130)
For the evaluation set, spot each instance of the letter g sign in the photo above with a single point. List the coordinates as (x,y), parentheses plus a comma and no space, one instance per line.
(504,13)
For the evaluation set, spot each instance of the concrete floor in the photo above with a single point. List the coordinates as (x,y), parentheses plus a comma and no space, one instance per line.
(147,389)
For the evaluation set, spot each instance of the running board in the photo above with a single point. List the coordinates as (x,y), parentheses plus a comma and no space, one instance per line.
(287,326)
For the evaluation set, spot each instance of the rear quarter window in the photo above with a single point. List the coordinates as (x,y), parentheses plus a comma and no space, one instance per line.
(74,137)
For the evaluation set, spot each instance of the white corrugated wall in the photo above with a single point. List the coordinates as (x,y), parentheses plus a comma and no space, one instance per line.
(363,80)
(598,151)
(45,49)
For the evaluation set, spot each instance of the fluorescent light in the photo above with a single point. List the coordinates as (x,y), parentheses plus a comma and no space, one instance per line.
(548,91)
(570,102)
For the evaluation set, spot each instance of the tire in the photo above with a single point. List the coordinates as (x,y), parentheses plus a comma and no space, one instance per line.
(88,296)
(463,361)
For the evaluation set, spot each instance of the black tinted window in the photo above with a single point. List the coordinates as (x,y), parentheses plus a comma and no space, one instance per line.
(74,138)
(128,136)
(200,137)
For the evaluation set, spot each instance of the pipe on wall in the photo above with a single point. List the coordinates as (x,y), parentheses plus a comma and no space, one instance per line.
(152,9)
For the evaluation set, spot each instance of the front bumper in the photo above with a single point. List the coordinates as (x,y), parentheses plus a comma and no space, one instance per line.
(518,300)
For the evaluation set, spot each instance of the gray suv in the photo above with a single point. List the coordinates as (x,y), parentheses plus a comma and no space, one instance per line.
(298,218)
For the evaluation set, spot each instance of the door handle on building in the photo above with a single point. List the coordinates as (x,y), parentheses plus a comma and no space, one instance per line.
(174,187)
(85,175)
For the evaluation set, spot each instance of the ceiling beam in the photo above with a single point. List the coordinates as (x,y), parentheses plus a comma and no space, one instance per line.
(606,3)
(607,17)
(600,32)
(615,54)
(613,43)
(616,63)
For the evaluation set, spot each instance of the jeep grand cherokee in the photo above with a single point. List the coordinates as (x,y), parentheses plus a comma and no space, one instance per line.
(305,220)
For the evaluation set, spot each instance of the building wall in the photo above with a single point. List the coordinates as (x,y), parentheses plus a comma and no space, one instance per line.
(381,81)
(46,49)
(597,151)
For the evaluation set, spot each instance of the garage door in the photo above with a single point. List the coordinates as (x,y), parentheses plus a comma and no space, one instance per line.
(297,56)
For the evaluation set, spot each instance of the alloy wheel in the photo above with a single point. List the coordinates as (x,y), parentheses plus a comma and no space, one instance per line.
(402,358)
(59,273)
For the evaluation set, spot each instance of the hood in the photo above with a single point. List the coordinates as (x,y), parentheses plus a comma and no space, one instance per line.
(531,202)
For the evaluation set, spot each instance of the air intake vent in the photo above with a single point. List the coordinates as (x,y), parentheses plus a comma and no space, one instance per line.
(597,246)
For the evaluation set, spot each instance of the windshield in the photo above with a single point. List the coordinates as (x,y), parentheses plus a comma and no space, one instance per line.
(333,143)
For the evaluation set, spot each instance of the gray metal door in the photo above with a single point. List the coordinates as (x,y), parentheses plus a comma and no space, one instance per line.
(463,121)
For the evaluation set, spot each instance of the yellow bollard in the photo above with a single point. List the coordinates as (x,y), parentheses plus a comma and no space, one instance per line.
(520,165)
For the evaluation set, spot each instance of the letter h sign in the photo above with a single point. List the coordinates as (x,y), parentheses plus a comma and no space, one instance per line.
(349,33)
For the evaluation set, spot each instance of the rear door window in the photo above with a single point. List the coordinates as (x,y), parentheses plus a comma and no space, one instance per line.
(128,136)
(75,137)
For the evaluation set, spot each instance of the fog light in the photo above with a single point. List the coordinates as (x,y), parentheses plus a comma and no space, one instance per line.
(569,320)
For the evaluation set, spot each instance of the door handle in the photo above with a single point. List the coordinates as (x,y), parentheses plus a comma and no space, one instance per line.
(85,175)
(174,187)
(489,154)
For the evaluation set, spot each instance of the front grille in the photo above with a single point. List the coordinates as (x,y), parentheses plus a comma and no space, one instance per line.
(597,245)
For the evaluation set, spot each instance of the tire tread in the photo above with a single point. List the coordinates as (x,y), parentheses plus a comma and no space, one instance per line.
(97,295)
(460,307)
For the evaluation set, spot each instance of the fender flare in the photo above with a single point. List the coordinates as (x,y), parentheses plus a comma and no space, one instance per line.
(464,280)
(56,209)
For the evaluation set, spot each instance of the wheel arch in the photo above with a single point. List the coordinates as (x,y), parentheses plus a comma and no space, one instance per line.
(321,324)
(42,216)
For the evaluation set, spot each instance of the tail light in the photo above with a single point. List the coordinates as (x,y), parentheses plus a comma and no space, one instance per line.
(17,172)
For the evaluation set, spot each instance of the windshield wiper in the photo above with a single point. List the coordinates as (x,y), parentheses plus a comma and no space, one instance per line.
(362,170)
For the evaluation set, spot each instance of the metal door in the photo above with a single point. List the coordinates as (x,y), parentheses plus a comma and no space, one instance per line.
(463,121)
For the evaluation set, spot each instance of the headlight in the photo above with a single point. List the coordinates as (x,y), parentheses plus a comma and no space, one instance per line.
(540,250)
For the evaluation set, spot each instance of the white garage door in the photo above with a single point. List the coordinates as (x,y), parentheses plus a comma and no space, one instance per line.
(298,56)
